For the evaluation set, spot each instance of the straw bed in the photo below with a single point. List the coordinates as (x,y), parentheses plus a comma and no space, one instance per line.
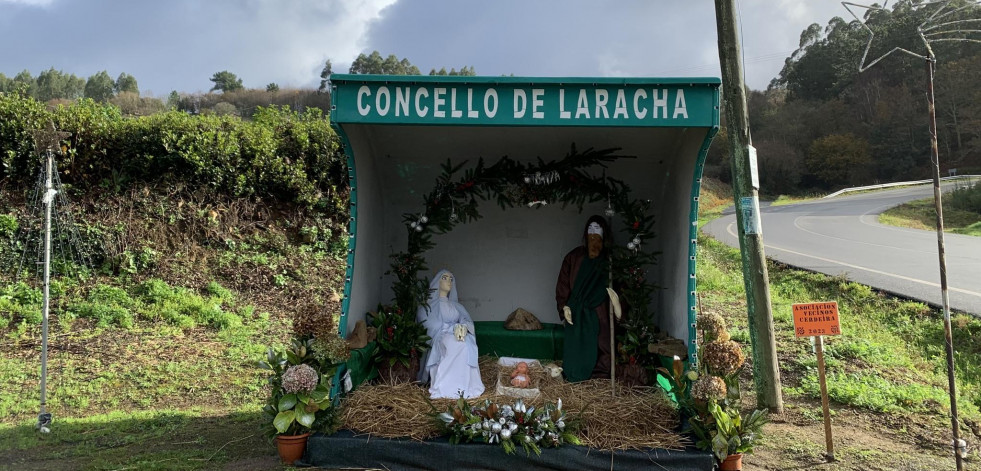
(635,419)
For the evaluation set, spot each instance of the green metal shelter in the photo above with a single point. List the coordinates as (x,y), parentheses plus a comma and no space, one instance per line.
(397,130)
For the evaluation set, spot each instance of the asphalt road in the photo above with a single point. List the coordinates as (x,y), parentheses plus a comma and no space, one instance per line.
(841,236)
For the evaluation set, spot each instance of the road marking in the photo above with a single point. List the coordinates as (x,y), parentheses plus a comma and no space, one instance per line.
(857,267)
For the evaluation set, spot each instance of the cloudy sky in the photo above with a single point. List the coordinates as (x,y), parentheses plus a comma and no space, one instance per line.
(178,44)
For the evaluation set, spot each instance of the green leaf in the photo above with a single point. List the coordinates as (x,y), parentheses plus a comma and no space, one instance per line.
(283,420)
(319,394)
(306,418)
(303,398)
(287,402)
(720,447)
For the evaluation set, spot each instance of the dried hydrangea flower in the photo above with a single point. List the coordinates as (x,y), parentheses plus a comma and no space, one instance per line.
(708,387)
(723,358)
(712,325)
(330,349)
(300,378)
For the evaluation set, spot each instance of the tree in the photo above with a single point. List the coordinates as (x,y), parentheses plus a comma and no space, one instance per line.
(465,71)
(272,87)
(52,84)
(24,81)
(226,81)
(127,83)
(99,87)
(325,76)
(374,64)
(839,159)
(173,99)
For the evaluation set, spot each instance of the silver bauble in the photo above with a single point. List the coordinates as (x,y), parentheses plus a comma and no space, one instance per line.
(506,434)
(560,424)
(423,220)
(636,241)
(631,245)
(527,179)
(418,228)
(413,224)
(496,427)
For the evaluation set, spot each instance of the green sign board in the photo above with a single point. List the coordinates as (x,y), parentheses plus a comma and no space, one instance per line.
(522,101)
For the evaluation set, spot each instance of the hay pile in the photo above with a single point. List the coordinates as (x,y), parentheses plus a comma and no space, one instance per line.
(634,419)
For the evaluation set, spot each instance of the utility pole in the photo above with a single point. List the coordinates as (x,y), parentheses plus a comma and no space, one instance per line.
(745,189)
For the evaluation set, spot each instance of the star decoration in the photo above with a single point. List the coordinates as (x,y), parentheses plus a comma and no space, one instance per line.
(931,30)
(49,139)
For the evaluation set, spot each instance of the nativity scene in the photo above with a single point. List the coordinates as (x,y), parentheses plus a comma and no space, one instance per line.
(604,325)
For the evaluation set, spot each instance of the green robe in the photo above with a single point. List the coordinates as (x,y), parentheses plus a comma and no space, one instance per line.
(588,292)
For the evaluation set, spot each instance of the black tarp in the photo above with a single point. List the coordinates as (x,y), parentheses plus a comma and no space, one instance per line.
(345,450)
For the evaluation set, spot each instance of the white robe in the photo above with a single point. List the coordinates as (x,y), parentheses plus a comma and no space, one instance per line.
(450,364)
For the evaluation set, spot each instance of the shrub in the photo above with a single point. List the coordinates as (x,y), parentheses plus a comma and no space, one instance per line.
(283,154)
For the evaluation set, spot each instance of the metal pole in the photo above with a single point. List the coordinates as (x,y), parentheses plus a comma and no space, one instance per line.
(766,371)
(935,160)
(44,418)
(829,442)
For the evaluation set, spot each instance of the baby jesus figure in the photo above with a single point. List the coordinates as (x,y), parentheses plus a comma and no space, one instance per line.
(519,377)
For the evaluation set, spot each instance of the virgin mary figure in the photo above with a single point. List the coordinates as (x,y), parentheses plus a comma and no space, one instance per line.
(450,366)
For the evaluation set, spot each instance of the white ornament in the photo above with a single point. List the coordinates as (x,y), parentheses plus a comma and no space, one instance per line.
(418,228)
(506,434)
(423,220)
(527,179)
(610,212)
(631,245)
(413,224)
(496,427)
(636,241)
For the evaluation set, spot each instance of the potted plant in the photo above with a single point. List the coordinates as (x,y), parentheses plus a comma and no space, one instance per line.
(729,434)
(300,401)
(709,396)
(399,343)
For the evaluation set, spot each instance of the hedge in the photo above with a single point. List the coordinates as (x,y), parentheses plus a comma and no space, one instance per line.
(279,153)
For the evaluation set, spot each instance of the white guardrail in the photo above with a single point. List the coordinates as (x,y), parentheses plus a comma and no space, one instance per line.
(888,185)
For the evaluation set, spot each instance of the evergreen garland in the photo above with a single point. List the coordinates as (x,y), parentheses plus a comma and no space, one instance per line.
(458,193)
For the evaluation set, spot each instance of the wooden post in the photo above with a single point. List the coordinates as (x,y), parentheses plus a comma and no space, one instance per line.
(941,251)
(819,347)
(766,371)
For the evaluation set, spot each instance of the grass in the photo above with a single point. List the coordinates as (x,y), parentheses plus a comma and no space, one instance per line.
(889,358)
(961,208)
(793,199)
(189,439)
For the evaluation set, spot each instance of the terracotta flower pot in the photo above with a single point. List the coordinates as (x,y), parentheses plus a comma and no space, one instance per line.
(732,463)
(291,447)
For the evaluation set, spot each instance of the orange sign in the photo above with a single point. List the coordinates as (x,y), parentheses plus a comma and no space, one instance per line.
(812,319)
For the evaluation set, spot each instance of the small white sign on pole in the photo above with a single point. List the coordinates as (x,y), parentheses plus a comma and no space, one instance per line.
(754,173)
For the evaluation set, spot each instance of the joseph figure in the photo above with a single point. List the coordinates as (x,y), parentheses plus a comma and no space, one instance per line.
(582,299)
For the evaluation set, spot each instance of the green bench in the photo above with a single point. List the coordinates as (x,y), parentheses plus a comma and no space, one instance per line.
(494,339)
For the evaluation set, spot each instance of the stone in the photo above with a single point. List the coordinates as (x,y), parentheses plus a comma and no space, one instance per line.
(521,319)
